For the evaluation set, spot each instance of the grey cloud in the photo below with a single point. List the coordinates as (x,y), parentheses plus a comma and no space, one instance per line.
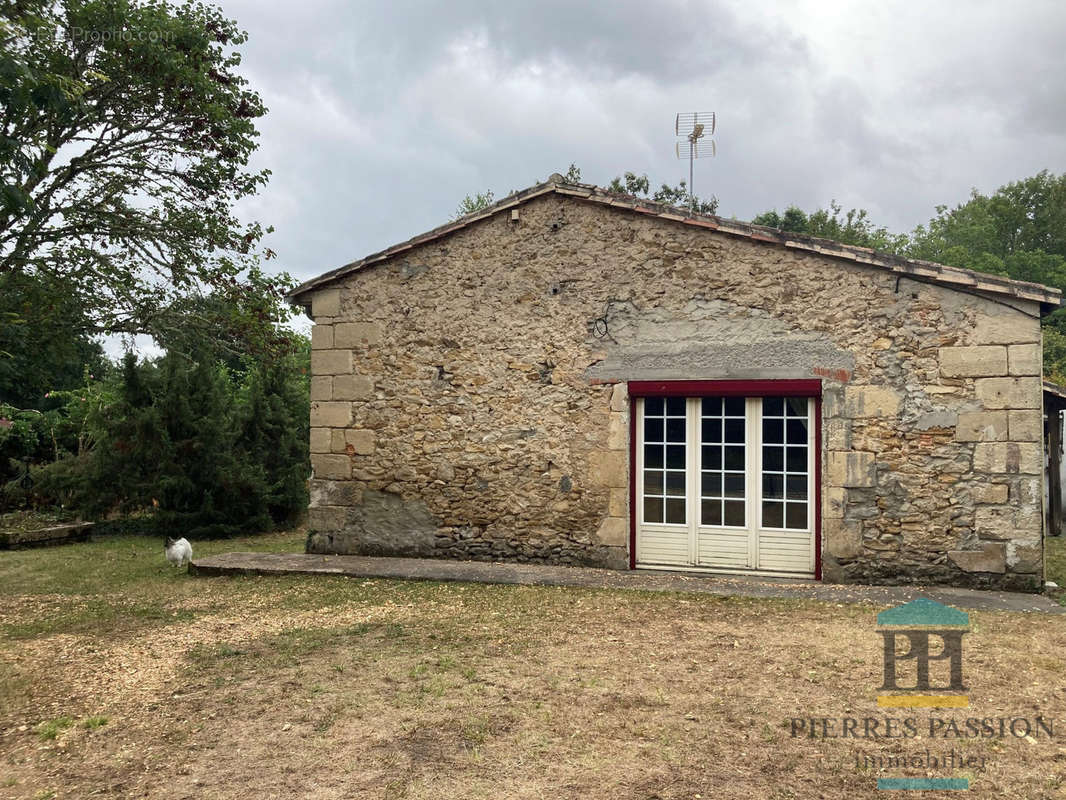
(383,115)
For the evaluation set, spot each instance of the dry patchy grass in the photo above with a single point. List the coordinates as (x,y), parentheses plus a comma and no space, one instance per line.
(1055,552)
(129,679)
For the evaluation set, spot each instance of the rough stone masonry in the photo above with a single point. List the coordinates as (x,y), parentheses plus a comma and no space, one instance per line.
(469,394)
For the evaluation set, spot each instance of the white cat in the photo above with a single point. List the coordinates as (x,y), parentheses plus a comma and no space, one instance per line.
(178,551)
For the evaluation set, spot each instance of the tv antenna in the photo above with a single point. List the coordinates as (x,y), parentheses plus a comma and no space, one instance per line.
(694,126)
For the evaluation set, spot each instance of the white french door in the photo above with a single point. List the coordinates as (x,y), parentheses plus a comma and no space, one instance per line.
(726,483)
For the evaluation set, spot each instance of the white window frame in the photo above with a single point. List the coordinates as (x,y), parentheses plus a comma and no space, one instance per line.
(753,487)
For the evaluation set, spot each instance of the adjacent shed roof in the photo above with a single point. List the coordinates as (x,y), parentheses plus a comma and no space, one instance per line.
(1054,396)
(953,277)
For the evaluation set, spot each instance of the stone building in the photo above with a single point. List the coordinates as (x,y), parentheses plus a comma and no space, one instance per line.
(573,376)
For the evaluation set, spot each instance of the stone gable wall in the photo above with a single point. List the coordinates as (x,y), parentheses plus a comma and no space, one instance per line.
(469,401)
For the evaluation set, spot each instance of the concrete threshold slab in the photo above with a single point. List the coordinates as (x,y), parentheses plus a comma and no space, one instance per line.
(428,569)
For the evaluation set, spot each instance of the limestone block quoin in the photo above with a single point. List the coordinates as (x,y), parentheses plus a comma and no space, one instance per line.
(1007,393)
(618,432)
(613,531)
(1008,458)
(1025,359)
(331,414)
(843,539)
(352,387)
(321,337)
(327,518)
(871,401)
(1006,327)
(994,493)
(356,334)
(326,303)
(851,469)
(331,362)
(363,443)
(320,440)
(608,469)
(322,387)
(331,467)
(1026,426)
(972,362)
(982,426)
(835,502)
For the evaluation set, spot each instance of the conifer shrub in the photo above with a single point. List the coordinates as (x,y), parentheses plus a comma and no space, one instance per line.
(188,446)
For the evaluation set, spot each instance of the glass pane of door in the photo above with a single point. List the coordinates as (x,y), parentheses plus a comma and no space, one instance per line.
(785,477)
(723,459)
(665,474)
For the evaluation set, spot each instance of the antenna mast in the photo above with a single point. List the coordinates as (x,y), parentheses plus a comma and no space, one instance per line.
(693,126)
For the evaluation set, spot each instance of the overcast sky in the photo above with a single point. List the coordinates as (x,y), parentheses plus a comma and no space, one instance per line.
(382,116)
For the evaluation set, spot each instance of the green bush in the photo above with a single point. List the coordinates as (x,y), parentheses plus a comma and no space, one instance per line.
(183,445)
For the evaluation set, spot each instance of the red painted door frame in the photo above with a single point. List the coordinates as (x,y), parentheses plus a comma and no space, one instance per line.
(760,388)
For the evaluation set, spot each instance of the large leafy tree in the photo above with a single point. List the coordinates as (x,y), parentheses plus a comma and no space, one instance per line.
(1019,230)
(851,227)
(237,324)
(43,344)
(125,136)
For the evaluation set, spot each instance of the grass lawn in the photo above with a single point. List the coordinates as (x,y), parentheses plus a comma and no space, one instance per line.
(123,677)
(1055,552)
